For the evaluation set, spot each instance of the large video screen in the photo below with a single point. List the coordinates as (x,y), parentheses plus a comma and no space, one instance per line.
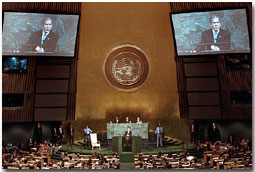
(39,34)
(211,32)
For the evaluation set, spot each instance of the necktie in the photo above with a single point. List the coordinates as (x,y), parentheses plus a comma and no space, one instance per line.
(43,38)
(215,36)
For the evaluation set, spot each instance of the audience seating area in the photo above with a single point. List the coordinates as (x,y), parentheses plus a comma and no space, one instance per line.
(177,160)
(14,158)
(220,155)
(225,156)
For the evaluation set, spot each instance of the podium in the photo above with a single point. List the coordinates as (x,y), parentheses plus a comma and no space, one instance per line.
(117,144)
(136,144)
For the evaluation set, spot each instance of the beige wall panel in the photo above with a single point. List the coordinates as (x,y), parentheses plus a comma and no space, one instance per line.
(106,25)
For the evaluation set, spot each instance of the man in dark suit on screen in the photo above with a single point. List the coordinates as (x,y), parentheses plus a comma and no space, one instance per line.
(42,41)
(215,39)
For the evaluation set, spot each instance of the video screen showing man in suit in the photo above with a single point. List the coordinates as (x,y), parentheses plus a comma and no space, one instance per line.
(39,34)
(211,32)
(42,41)
(216,38)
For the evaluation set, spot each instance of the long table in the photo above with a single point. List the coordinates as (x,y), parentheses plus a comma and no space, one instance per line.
(118,129)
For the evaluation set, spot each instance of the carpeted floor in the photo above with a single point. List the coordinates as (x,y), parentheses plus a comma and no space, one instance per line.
(127,166)
(152,150)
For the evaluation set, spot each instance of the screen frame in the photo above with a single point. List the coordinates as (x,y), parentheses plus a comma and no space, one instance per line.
(199,55)
(45,54)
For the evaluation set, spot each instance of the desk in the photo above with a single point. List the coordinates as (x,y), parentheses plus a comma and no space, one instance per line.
(118,129)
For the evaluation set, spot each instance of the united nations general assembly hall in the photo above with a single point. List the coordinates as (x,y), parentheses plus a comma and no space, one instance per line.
(127,85)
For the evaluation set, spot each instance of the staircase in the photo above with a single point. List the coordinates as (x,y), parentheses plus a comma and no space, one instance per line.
(172,141)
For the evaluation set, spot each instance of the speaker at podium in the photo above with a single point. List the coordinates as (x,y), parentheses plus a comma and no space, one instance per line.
(133,145)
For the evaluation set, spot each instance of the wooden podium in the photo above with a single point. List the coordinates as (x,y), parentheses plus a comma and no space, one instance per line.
(117,144)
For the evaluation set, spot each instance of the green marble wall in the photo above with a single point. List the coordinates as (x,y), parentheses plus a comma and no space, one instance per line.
(119,129)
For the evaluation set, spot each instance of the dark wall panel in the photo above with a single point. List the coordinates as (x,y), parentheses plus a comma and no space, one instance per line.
(53,71)
(202,84)
(200,69)
(50,114)
(50,100)
(205,112)
(52,86)
(204,98)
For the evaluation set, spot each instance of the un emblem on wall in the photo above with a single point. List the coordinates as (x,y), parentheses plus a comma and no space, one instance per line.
(126,67)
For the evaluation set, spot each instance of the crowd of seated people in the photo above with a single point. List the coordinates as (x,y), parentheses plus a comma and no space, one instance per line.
(14,158)
(236,154)
(176,160)
(94,161)
(231,154)
(39,157)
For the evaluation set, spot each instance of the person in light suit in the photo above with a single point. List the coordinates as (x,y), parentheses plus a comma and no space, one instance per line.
(87,131)
(216,38)
(42,41)
(159,133)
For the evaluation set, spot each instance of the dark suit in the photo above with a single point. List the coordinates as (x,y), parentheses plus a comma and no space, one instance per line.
(29,143)
(222,41)
(60,135)
(54,135)
(38,134)
(127,142)
(49,44)
(128,133)
(70,133)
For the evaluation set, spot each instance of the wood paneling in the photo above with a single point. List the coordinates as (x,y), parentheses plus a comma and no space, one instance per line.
(182,88)
(205,112)
(234,81)
(72,90)
(57,71)
(20,83)
(206,98)
(50,114)
(202,84)
(52,86)
(65,7)
(200,69)
(51,100)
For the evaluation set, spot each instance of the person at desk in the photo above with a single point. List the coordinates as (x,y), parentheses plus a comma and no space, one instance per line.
(87,131)
(30,142)
(128,139)
(42,41)
(138,121)
(216,38)
(127,120)
(116,119)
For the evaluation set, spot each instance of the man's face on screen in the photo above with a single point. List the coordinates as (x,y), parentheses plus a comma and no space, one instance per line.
(47,26)
(215,24)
